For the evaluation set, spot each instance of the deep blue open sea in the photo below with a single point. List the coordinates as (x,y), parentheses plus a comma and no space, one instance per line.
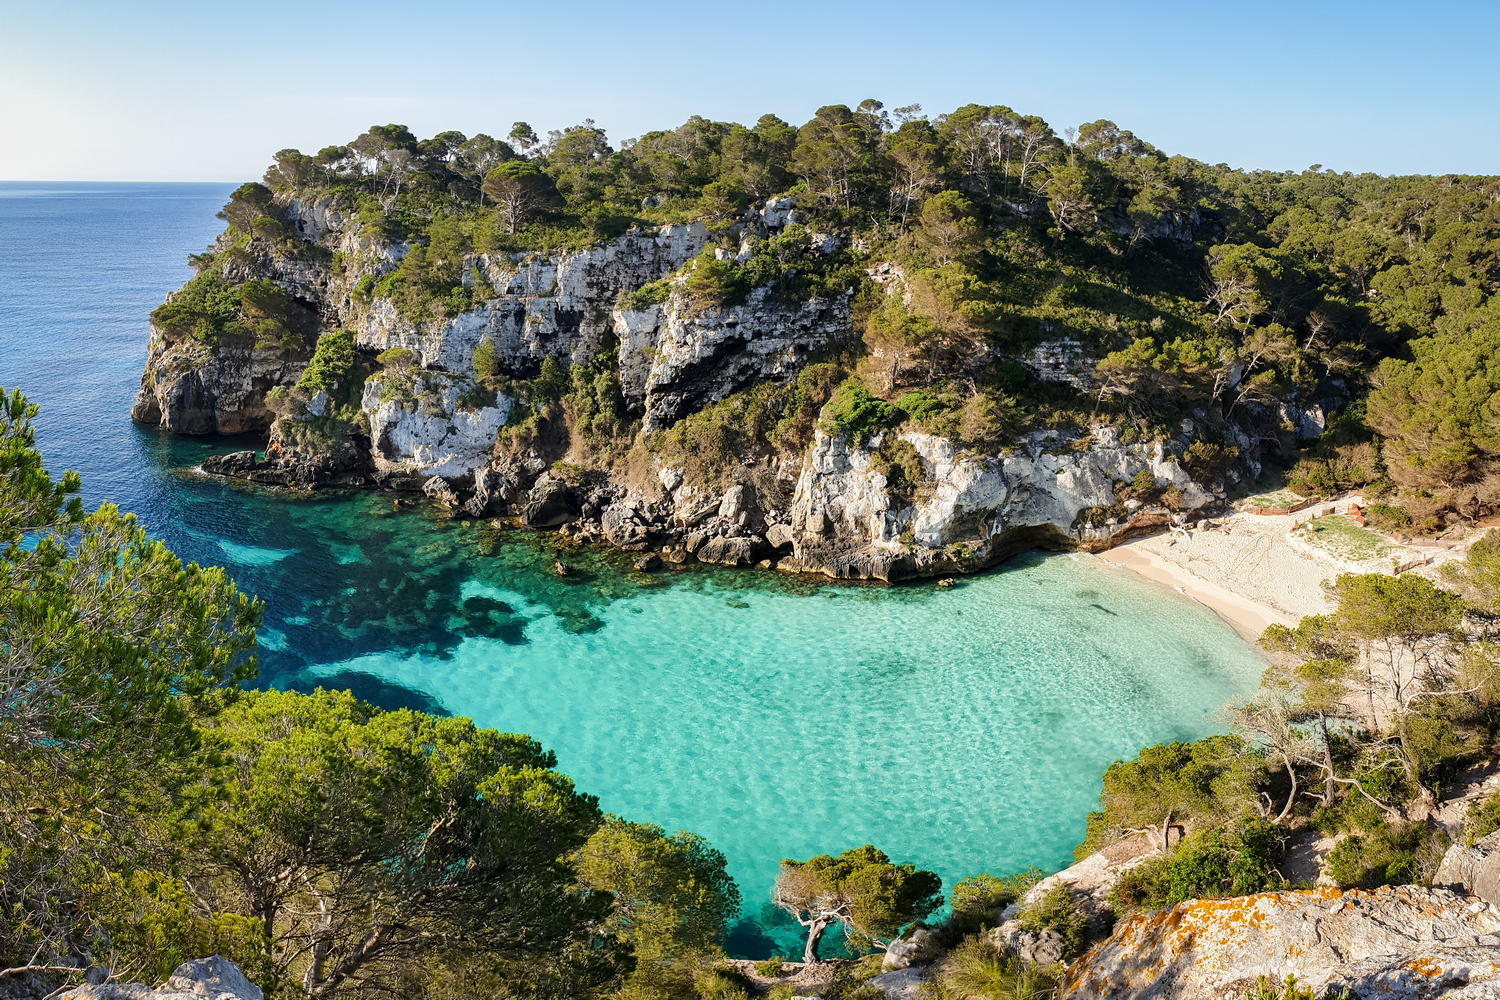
(963,730)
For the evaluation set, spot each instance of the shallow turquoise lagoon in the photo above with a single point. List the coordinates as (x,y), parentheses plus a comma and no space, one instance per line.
(964,730)
(961,730)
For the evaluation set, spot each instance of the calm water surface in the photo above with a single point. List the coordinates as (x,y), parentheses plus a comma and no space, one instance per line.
(963,730)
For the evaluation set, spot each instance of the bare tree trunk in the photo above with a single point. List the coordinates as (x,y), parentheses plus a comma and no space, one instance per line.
(815,931)
(1292,796)
(1328,783)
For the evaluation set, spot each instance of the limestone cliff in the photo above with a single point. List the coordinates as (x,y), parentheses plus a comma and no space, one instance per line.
(427,423)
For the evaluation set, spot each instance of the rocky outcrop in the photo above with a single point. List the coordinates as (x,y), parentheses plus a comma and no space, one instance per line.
(190,389)
(831,510)
(1062,361)
(210,978)
(675,360)
(559,305)
(1011,940)
(919,947)
(1397,942)
(305,451)
(420,423)
(1473,870)
(978,509)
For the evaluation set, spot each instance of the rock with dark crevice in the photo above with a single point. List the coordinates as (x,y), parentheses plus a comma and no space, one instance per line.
(550,504)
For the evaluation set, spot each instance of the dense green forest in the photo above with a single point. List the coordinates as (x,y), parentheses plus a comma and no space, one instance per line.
(1234,297)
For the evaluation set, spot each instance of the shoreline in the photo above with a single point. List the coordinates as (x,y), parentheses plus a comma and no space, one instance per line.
(1249,618)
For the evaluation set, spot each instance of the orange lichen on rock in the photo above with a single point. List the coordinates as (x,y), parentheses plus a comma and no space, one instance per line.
(1424,966)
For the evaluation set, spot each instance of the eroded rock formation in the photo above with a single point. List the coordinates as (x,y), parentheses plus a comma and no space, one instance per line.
(211,978)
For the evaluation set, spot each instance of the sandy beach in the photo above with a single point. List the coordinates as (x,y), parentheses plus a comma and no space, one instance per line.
(1242,567)
(1249,571)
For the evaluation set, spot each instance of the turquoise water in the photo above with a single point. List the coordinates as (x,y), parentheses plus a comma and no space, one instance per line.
(962,730)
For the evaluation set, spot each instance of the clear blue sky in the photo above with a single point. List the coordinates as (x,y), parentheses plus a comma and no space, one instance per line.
(207,91)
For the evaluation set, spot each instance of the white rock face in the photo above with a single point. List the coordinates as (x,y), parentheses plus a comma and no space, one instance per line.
(839,491)
(312,219)
(1062,361)
(1405,943)
(1309,422)
(432,436)
(543,305)
(967,488)
(978,496)
(693,358)
(212,978)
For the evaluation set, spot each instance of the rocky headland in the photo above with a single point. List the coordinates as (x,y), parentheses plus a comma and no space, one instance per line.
(425,419)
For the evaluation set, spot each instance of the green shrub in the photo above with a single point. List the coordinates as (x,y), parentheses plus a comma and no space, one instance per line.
(397,357)
(1055,911)
(770,968)
(923,405)
(975,970)
(1209,864)
(1388,517)
(206,309)
(154,927)
(485,362)
(987,420)
(1385,854)
(651,294)
(901,465)
(976,901)
(332,368)
(854,411)
(712,283)
(1269,989)
(1207,461)
(1482,818)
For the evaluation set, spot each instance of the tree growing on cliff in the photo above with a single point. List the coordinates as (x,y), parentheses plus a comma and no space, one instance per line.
(366,840)
(859,889)
(248,203)
(1164,784)
(332,367)
(672,893)
(519,190)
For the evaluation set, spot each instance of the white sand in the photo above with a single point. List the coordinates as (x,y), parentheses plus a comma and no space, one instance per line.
(1241,567)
